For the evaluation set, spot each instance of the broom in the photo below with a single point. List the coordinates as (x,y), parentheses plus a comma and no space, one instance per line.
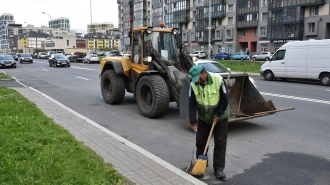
(200,165)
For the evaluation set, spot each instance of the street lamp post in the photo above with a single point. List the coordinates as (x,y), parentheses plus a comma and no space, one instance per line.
(210,47)
(51,32)
(91,29)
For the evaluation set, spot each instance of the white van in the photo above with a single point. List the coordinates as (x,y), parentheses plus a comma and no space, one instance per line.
(300,60)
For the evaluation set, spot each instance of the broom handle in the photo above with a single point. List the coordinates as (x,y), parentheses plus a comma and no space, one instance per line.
(208,139)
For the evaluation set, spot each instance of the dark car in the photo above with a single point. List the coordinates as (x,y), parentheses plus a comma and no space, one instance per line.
(78,56)
(57,60)
(26,57)
(221,56)
(7,61)
(14,55)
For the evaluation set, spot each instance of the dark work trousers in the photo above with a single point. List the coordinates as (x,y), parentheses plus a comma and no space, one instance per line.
(220,141)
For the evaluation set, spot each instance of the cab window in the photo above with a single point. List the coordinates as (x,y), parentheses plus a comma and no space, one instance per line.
(136,55)
(279,55)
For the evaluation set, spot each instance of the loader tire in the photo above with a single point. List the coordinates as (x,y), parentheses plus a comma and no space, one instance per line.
(112,87)
(153,96)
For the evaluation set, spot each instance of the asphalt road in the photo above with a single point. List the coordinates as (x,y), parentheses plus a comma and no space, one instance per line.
(291,147)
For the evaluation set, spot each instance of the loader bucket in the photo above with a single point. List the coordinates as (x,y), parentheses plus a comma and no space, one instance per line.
(245,101)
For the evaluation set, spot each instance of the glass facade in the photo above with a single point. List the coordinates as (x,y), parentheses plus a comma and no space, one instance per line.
(218,10)
(286,18)
(60,23)
(157,12)
(247,13)
(140,18)
(4,21)
(177,12)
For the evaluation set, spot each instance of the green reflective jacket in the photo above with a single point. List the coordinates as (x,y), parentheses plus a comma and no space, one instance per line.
(208,98)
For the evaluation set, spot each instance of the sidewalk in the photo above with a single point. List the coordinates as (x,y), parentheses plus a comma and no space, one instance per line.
(132,161)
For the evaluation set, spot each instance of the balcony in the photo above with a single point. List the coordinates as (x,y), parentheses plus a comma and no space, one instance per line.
(247,24)
(277,4)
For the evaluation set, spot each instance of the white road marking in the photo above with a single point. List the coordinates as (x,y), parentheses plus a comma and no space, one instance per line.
(296,98)
(73,67)
(84,68)
(19,82)
(45,70)
(82,78)
(327,89)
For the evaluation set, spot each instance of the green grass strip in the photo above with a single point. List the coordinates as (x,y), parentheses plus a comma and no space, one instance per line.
(239,66)
(35,150)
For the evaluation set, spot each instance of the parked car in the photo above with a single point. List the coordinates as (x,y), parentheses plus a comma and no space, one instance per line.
(263,56)
(42,55)
(216,67)
(126,55)
(239,56)
(78,56)
(300,60)
(26,57)
(198,54)
(57,60)
(7,61)
(91,58)
(221,56)
(113,54)
(14,55)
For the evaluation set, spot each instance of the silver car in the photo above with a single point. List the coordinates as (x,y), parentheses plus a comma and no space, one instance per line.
(263,56)
(91,58)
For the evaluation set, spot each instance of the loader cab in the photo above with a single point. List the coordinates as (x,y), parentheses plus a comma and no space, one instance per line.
(149,41)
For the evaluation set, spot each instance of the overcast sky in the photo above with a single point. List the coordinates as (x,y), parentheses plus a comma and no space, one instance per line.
(78,11)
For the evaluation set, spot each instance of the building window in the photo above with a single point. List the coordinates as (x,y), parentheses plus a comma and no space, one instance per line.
(311,27)
(264,2)
(314,10)
(185,36)
(228,33)
(230,20)
(230,8)
(219,48)
(218,33)
(265,16)
(264,47)
(149,4)
(192,36)
(67,42)
(242,33)
(263,31)
(256,32)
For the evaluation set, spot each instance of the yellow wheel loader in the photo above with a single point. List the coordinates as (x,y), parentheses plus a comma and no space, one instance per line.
(157,73)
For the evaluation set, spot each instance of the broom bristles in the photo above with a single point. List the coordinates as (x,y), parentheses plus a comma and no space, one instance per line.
(200,166)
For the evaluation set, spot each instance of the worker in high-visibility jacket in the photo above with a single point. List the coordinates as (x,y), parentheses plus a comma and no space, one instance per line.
(209,96)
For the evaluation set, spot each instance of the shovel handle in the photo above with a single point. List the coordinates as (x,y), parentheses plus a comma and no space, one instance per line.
(208,139)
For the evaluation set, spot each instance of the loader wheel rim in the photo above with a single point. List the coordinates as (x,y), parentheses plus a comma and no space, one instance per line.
(107,83)
(147,96)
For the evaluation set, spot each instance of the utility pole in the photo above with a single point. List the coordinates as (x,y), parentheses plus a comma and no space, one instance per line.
(51,32)
(209,55)
(91,30)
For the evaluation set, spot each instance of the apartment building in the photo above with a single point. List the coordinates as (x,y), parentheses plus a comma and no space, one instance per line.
(61,23)
(236,25)
(47,39)
(5,19)
(102,39)
(98,27)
